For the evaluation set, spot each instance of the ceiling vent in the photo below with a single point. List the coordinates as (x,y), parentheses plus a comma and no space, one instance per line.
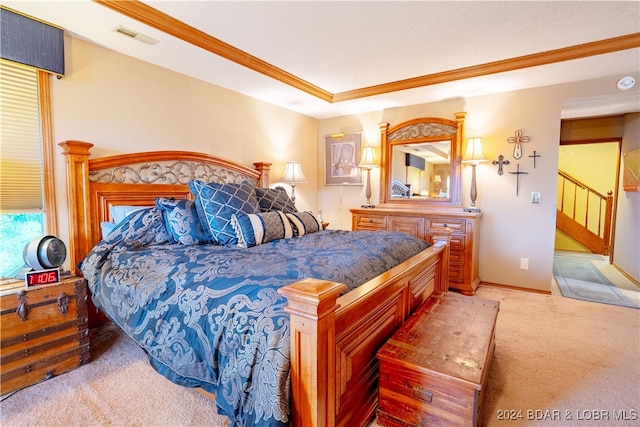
(135,35)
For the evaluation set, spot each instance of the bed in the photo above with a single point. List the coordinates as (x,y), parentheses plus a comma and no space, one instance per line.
(321,328)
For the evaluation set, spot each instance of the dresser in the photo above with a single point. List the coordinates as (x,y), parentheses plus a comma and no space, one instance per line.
(460,228)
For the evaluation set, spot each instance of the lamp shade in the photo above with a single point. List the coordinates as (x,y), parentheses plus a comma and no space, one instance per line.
(437,178)
(474,152)
(293,174)
(368,159)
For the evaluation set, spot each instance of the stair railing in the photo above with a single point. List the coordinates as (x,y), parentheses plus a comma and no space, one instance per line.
(584,213)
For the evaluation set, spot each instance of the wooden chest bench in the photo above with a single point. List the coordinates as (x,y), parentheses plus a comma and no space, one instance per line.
(433,371)
(44,333)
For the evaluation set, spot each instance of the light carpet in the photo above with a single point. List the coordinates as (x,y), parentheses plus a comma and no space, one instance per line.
(555,357)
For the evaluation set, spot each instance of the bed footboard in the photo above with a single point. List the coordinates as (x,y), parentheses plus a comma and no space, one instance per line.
(334,340)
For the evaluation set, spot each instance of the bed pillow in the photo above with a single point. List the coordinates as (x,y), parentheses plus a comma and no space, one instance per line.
(106,228)
(181,220)
(275,199)
(141,227)
(256,229)
(216,203)
(304,223)
(120,212)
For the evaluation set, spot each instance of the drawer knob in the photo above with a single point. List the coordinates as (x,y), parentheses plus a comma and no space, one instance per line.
(445,225)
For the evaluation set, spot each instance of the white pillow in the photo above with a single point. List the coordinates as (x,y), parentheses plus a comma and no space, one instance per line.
(119,212)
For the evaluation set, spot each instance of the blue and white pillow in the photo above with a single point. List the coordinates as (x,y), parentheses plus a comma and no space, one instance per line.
(256,229)
(275,199)
(216,203)
(305,223)
(181,220)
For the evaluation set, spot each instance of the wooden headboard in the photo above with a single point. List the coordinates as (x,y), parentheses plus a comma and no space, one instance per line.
(94,185)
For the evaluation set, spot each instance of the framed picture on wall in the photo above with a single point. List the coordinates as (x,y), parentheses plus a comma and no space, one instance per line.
(342,154)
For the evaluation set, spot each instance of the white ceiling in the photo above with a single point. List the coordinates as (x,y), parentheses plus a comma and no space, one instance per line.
(345,45)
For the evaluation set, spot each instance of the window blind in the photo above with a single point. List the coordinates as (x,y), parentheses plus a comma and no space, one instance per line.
(21,179)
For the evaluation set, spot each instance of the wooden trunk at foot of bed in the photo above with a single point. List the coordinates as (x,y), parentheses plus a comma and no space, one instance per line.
(334,340)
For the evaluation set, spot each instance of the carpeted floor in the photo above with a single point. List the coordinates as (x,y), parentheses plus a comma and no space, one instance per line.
(581,276)
(555,357)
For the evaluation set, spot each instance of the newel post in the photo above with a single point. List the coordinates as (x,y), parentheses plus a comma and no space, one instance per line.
(76,155)
(312,307)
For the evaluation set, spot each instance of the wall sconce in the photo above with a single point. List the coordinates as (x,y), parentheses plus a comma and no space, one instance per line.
(474,156)
(367,162)
(437,180)
(293,175)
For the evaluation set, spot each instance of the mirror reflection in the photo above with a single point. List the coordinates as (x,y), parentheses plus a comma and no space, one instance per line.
(421,170)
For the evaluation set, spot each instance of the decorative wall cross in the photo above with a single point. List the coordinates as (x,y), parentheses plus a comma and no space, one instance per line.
(517,174)
(501,161)
(517,140)
(534,155)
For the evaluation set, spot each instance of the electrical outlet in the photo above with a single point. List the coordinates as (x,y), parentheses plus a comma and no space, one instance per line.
(524,263)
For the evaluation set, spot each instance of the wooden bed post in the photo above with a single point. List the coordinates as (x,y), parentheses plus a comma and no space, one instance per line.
(312,306)
(76,155)
(264,169)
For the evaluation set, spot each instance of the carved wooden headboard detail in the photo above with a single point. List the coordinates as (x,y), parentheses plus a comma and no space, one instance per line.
(94,185)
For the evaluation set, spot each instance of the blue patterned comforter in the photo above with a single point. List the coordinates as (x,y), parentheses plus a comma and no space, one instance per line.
(210,316)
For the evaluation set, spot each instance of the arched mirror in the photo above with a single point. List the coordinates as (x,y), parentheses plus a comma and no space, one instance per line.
(421,162)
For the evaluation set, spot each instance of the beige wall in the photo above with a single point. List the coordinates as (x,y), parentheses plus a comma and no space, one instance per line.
(511,227)
(124,105)
(626,252)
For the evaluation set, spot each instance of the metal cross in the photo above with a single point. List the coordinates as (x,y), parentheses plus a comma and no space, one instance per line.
(534,155)
(518,173)
(517,140)
(501,161)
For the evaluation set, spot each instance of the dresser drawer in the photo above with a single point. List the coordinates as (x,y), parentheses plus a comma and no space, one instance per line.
(373,222)
(455,224)
(456,243)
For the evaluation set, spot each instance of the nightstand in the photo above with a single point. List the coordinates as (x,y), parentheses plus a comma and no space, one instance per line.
(44,333)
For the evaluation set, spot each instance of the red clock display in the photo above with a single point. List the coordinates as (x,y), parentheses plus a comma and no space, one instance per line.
(42,277)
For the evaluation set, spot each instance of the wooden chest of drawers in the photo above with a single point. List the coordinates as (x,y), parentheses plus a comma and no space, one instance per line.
(460,228)
(44,333)
(434,370)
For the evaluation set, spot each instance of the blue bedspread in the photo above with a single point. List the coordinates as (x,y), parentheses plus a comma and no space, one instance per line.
(210,316)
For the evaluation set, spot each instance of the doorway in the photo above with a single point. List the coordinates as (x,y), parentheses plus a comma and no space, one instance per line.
(588,173)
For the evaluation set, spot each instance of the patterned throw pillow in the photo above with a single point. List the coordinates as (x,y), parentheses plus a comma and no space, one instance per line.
(275,199)
(304,222)
(181,220)
(216,203)
(256,229)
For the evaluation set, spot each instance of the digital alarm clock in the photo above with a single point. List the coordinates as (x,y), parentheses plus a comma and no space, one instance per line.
(44,255)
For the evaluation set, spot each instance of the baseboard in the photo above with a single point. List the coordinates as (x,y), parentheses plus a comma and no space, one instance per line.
(625,274)
(514,288)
